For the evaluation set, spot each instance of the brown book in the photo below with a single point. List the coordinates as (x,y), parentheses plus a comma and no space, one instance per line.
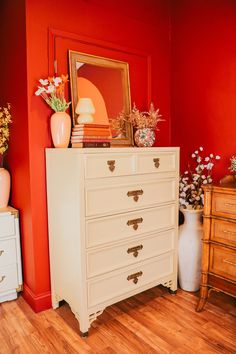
(90,144)
(78,126)
(92,140)
(105,132)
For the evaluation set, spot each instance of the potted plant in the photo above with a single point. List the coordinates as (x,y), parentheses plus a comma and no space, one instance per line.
(52,90)
(191,201)
(144,123)
(5,180)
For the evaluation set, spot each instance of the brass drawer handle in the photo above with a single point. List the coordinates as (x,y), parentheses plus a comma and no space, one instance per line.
(229,262)
(135,250)
(156,162)
(231,205)
(134,277)
(135,194)
(135,222)
(1,252)
(111,165)
(229,232)
(2,278)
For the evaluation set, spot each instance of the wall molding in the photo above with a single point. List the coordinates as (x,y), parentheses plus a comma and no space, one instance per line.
(39,302)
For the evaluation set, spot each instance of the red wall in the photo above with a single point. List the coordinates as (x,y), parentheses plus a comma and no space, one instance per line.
(132,31)
(204,78)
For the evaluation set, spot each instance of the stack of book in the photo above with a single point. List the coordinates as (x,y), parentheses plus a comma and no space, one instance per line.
(91,135)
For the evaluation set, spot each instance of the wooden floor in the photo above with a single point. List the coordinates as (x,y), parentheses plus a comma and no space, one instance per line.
(151,322)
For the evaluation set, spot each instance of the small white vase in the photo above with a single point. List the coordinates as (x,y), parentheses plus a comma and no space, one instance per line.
(5,186)
(190,250)
(60,124)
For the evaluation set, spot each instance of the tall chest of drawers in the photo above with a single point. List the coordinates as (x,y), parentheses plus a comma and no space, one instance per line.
(10,254)
(112,216)
(219,242)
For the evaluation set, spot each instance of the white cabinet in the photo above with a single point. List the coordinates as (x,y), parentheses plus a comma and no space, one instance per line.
(112,216)
(10,255)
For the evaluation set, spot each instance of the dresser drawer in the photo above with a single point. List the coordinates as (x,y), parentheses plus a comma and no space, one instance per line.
(114,257)
(224,205)
(109,165)
(7,252)
(128,280)
(223,232)
(7,225)
(110,199)
(126,226)
(223,262)
(8,278)
(157,162)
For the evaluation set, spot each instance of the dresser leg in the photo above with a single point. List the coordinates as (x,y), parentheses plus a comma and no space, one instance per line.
(84,334)
(203,298)
(172,292)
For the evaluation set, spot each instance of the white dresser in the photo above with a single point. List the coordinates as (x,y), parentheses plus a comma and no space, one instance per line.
(10,254)
(113,216)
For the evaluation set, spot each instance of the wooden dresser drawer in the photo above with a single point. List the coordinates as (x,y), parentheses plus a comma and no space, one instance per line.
(109,165)
(119,227)
(8,278)
(157,162)
(128,279)
(114,257)
(223,232)
(223,262)
(224,205)
(7,252)
(111,199)
(7,225)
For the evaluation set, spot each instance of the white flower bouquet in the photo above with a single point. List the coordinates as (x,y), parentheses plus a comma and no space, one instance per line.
(52,91)
(191,194)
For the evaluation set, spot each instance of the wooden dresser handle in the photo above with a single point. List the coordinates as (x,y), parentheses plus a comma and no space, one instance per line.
(135,250)
(156,162)
(134,277)
(229,262)
(1,252)
(135,223)
(231,205)
(2,278)
(229,232)
(111,165)
(135,194)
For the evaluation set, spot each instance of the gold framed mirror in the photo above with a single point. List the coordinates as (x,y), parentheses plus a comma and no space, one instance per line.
(106,82)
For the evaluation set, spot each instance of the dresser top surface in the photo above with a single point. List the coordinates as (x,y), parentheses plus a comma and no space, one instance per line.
(8,210)
(111,150)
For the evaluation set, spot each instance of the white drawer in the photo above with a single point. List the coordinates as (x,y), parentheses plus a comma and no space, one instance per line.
(7,223)
(117,283)
(157,162)
(114,257)
(117,198)
(7,252)
(8,278)
(109,165)
(129,225)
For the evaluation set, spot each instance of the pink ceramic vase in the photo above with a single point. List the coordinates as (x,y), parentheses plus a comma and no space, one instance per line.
(5,185)
(60,129)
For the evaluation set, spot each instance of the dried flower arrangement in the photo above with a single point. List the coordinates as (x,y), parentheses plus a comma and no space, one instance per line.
(141,120)
(52,91)
(232,167)
(191,194)
(5,120)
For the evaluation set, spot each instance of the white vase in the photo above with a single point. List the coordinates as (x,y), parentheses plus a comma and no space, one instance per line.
(5,186)
(190,250)
(60,124)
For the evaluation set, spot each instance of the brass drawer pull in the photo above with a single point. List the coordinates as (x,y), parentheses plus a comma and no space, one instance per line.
(230,205)
(134,277)
(2,278)
(135,194)
(135,250)
(156,162)
(135,222)
(111,165)
(229,262)
(1,252)
(229,232)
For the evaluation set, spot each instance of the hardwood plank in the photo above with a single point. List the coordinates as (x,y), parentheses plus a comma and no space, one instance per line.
(151,322)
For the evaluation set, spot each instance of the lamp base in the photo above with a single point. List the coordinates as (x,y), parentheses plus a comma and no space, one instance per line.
(85,118)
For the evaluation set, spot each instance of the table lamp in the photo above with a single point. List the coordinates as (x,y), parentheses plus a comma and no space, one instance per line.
(85,109)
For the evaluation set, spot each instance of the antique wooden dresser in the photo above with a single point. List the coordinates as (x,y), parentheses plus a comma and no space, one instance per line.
(219,242)
(113,223)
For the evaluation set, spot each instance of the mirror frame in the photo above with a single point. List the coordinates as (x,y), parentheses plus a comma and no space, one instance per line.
(104,62)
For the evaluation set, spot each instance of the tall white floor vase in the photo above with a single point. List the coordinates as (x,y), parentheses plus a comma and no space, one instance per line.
(190,250)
